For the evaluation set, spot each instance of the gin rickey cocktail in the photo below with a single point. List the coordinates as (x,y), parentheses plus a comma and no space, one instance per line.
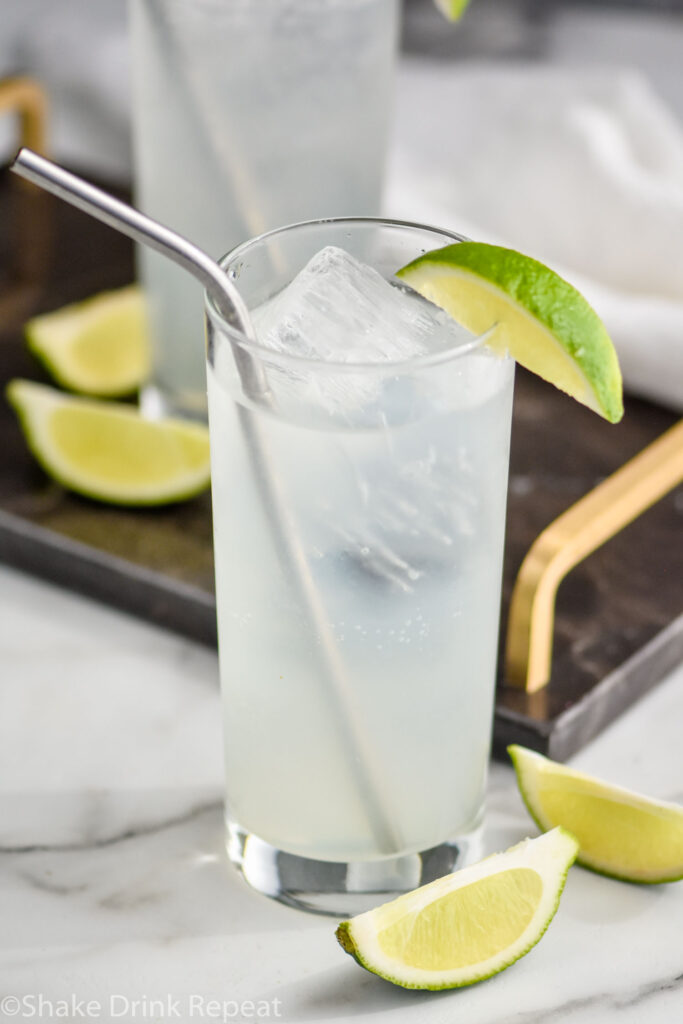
(388,427)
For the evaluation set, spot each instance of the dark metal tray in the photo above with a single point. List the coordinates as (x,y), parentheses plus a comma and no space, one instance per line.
(619,616)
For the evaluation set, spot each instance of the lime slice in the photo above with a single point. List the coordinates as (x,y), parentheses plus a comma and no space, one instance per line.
(539,318)
(452,9)
(106,451)
(466,926)
(97,347)
(620,833)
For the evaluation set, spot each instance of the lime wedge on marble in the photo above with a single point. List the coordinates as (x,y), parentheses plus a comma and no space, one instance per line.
(96,347)
(540,319)
(467,926)
(621,833)
(107,451)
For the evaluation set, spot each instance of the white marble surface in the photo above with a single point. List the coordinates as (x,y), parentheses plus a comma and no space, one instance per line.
(114,886)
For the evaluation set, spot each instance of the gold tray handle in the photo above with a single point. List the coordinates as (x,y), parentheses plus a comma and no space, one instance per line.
(25,97)
(583,528)
(29,218)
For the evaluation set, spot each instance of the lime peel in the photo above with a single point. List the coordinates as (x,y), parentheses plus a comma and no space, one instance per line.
(539,318)
(107,451)
(621,833)
(466,926)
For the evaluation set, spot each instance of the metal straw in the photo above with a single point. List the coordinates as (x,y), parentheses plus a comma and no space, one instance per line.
(372,790)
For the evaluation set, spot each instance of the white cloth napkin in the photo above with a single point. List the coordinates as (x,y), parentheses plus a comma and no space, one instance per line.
(584,171)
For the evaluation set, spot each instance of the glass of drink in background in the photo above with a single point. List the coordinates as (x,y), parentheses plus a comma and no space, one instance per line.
(249,114)
(359,472)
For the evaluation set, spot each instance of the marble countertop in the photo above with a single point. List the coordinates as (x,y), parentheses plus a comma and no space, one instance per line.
(116,899)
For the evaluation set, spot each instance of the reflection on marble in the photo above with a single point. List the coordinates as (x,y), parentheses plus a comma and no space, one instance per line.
(113,879)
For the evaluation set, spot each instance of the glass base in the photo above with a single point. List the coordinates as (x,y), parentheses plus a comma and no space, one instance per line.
(156,404)
(341,889)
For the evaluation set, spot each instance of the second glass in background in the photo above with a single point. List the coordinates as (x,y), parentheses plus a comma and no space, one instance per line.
(247,115)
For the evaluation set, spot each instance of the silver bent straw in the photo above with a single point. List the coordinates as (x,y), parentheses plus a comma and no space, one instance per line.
(369,780)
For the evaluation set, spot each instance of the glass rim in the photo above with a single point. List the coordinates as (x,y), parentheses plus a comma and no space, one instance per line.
(293,359)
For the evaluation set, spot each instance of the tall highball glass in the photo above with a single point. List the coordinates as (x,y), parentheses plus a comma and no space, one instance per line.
(249,114)
(359,519)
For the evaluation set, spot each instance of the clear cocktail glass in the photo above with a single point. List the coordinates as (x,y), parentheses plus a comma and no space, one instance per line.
(249,114)
(359,515)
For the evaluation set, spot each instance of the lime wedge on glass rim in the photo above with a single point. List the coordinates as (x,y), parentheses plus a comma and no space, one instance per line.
(540,319)
(107,451)
(620,833)
(466,926)
(96,347)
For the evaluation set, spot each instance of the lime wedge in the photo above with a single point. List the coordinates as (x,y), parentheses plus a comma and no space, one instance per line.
(97,347)
(452,9)
(106,451)
(620,833)
(466,926)
(537,316)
